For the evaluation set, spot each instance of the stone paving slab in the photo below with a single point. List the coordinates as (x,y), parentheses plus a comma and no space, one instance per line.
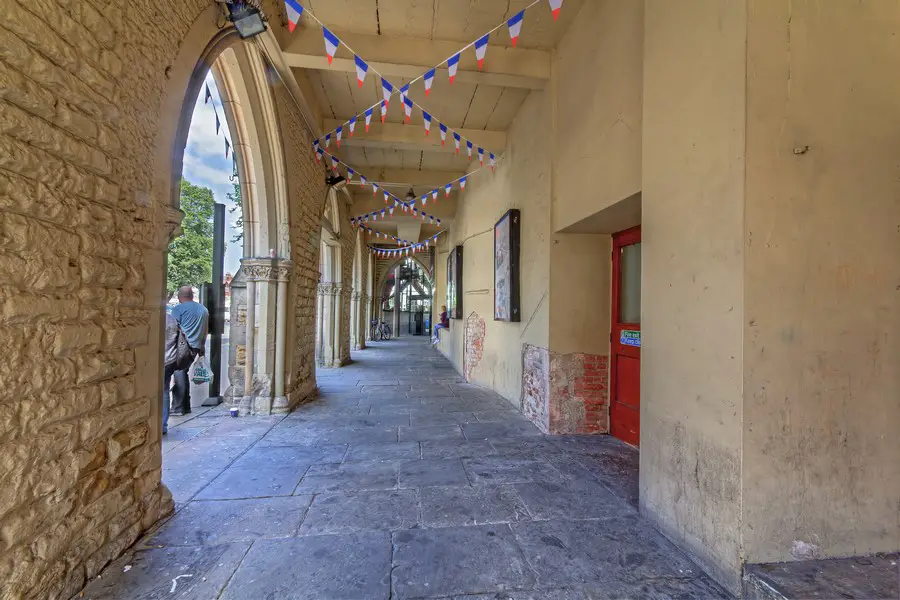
(612,554)
(429,472)
(329,567)
(225,521)
(456,448)
(352,512)
(185,483)
(492,470)
(457,560)
(365,475)
(186,573)
(430,433)
(459,506)
(253,482)
(285,456)
(384,451)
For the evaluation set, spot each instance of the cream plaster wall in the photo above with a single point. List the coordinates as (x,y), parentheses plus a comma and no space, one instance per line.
(693,203)
(598,88)
(522,181)
(580,302)
(821,460)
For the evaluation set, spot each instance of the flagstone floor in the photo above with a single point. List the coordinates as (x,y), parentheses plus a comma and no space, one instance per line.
(399,481)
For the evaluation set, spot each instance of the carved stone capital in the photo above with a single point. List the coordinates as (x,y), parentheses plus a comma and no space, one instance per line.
(266,269)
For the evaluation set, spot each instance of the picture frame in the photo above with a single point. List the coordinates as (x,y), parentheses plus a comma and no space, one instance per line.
(454,283)
(507,242)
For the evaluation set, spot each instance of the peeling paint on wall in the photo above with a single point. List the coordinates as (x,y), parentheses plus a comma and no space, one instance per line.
(535,378)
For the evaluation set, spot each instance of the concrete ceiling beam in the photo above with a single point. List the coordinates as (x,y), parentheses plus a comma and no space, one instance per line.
(397,136)
(410,57)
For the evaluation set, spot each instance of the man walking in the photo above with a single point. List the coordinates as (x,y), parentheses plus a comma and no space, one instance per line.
(193,318)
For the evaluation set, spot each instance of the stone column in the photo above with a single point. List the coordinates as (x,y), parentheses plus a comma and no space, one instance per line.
(336,305)
(396,325)
(260,375)
(282,276)
(327,324)
(369,316)
(361,322)
(354,320)
(320,319)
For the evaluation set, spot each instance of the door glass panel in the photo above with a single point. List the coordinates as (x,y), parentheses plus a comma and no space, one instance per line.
(630,288)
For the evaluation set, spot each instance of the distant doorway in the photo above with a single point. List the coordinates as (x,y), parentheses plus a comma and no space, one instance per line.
(625,341)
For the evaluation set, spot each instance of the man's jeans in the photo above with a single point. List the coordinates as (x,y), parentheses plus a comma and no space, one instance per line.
(168,371)
(437,328)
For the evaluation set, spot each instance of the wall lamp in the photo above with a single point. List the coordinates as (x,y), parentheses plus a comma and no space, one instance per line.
(337,182)
(247,18)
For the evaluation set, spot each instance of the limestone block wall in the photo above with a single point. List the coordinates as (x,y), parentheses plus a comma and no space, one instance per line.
(90,96)
(307,192)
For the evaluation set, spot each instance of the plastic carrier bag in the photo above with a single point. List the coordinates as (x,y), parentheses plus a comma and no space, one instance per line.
(200,371)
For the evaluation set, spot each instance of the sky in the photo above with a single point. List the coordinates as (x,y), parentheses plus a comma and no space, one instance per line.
(205,163)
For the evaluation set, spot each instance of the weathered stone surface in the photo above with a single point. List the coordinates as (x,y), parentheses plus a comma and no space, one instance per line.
(350,567)
(353,512)
(457,560)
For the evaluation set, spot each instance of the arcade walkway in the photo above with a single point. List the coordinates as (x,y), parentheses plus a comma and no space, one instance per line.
(400,481)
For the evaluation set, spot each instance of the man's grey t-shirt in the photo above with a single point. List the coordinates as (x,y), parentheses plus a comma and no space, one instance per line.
(193,319)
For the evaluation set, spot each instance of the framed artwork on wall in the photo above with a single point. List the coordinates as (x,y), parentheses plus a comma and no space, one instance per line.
(454,283)
(506,268)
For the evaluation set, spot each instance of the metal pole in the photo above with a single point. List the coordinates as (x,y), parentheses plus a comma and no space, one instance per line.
(216,305)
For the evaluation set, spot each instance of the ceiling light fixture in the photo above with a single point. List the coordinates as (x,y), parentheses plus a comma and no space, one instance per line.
(410,196)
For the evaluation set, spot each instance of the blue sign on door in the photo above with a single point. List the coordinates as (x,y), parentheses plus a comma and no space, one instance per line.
(629,337)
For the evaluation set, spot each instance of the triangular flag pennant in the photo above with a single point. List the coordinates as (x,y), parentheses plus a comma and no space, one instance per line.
(426,118)
(294,10)
(462,183)
(361,69)
(383,212)
(208,96)
(407,107)
(438,221)
(368,119)
(434,194)
(384,107)
(338,133)
(327,140)
(227,147)
(320,154)
(386,197)
(334,164)
(480,50)
(452,65)
(362,179)
(447,189)
(387,89)
(492,161)
(515,26)
(443,133)
(424,199)
(469,148)
(331,44)
(555,5)
(456,140)
(423,216)
(416,211)
(403,92)
(429,80)
(374,188)
(218,123)
(432,218)
(481,156)
(391,210)
(350,173)
(352,125)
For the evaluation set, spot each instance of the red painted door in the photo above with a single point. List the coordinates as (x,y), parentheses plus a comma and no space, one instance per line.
(625,339)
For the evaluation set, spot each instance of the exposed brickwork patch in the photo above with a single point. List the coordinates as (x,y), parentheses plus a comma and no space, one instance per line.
(565,393)
(475,330)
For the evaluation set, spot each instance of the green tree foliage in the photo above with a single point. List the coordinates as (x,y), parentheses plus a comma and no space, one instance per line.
(190,256)
(238,207)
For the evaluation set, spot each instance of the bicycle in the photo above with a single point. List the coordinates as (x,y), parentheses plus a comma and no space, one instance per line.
(381,331)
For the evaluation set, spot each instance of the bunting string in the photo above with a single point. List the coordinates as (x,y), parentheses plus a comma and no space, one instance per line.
(418,247)
(229,147)
(332,42)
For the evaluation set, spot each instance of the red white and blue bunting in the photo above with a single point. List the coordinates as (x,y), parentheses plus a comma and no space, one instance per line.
(405,250)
